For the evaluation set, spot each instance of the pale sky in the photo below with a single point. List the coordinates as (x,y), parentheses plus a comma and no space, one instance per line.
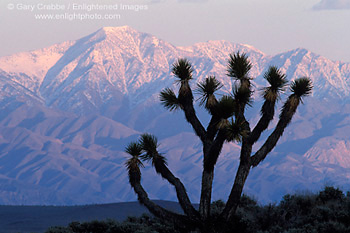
(272,26)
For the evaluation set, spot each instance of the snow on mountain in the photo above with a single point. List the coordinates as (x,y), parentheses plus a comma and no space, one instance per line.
(29,68)
(68,111)
(115,62)
(11,89)
(105,65)
(330,79)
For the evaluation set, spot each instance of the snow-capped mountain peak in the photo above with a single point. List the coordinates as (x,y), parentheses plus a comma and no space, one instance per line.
(129,62)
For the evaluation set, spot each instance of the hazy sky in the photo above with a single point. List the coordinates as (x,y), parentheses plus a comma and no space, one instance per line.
(272,26)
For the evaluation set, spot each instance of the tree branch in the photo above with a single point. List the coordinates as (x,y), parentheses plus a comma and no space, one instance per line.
(288,110)
(183,70)
(149,145)
(155,209)
(182,196)
(192,118)
(236,191)
(268,111)
(214,151)
(212,128)
(278,82)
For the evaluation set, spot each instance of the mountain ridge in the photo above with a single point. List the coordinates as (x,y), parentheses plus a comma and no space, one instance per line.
(64,124)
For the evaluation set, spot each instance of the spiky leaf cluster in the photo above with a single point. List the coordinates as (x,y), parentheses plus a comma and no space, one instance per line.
(134,163)
(206,89)
(149,145)
(134,149)
(169,99)
(277,81)
(239,66)
(235,130)
(145,149)
(242,95)
(301,87)
(182,69)
(225,107)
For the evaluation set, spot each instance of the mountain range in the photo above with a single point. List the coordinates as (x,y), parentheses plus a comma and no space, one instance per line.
(68,111)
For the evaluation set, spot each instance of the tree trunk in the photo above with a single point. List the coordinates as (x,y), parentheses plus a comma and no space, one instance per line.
(207,183)
(236,191)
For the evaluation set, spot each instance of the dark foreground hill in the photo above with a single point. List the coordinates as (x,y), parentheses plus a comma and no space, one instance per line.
(327,211)
(322,212)
(39,218)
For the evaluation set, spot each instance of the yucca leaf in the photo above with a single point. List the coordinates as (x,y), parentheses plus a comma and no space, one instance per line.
(277,81)
(301,87)
(134,163)
(134,149)
(242,95)
(169,99)
(206,89)
(133,167)
(149,144)
(235,130)
(239,66)
(208,86)
(225,107)
(182,69)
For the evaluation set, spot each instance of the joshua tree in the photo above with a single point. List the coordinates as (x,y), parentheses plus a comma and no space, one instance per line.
(227,124)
